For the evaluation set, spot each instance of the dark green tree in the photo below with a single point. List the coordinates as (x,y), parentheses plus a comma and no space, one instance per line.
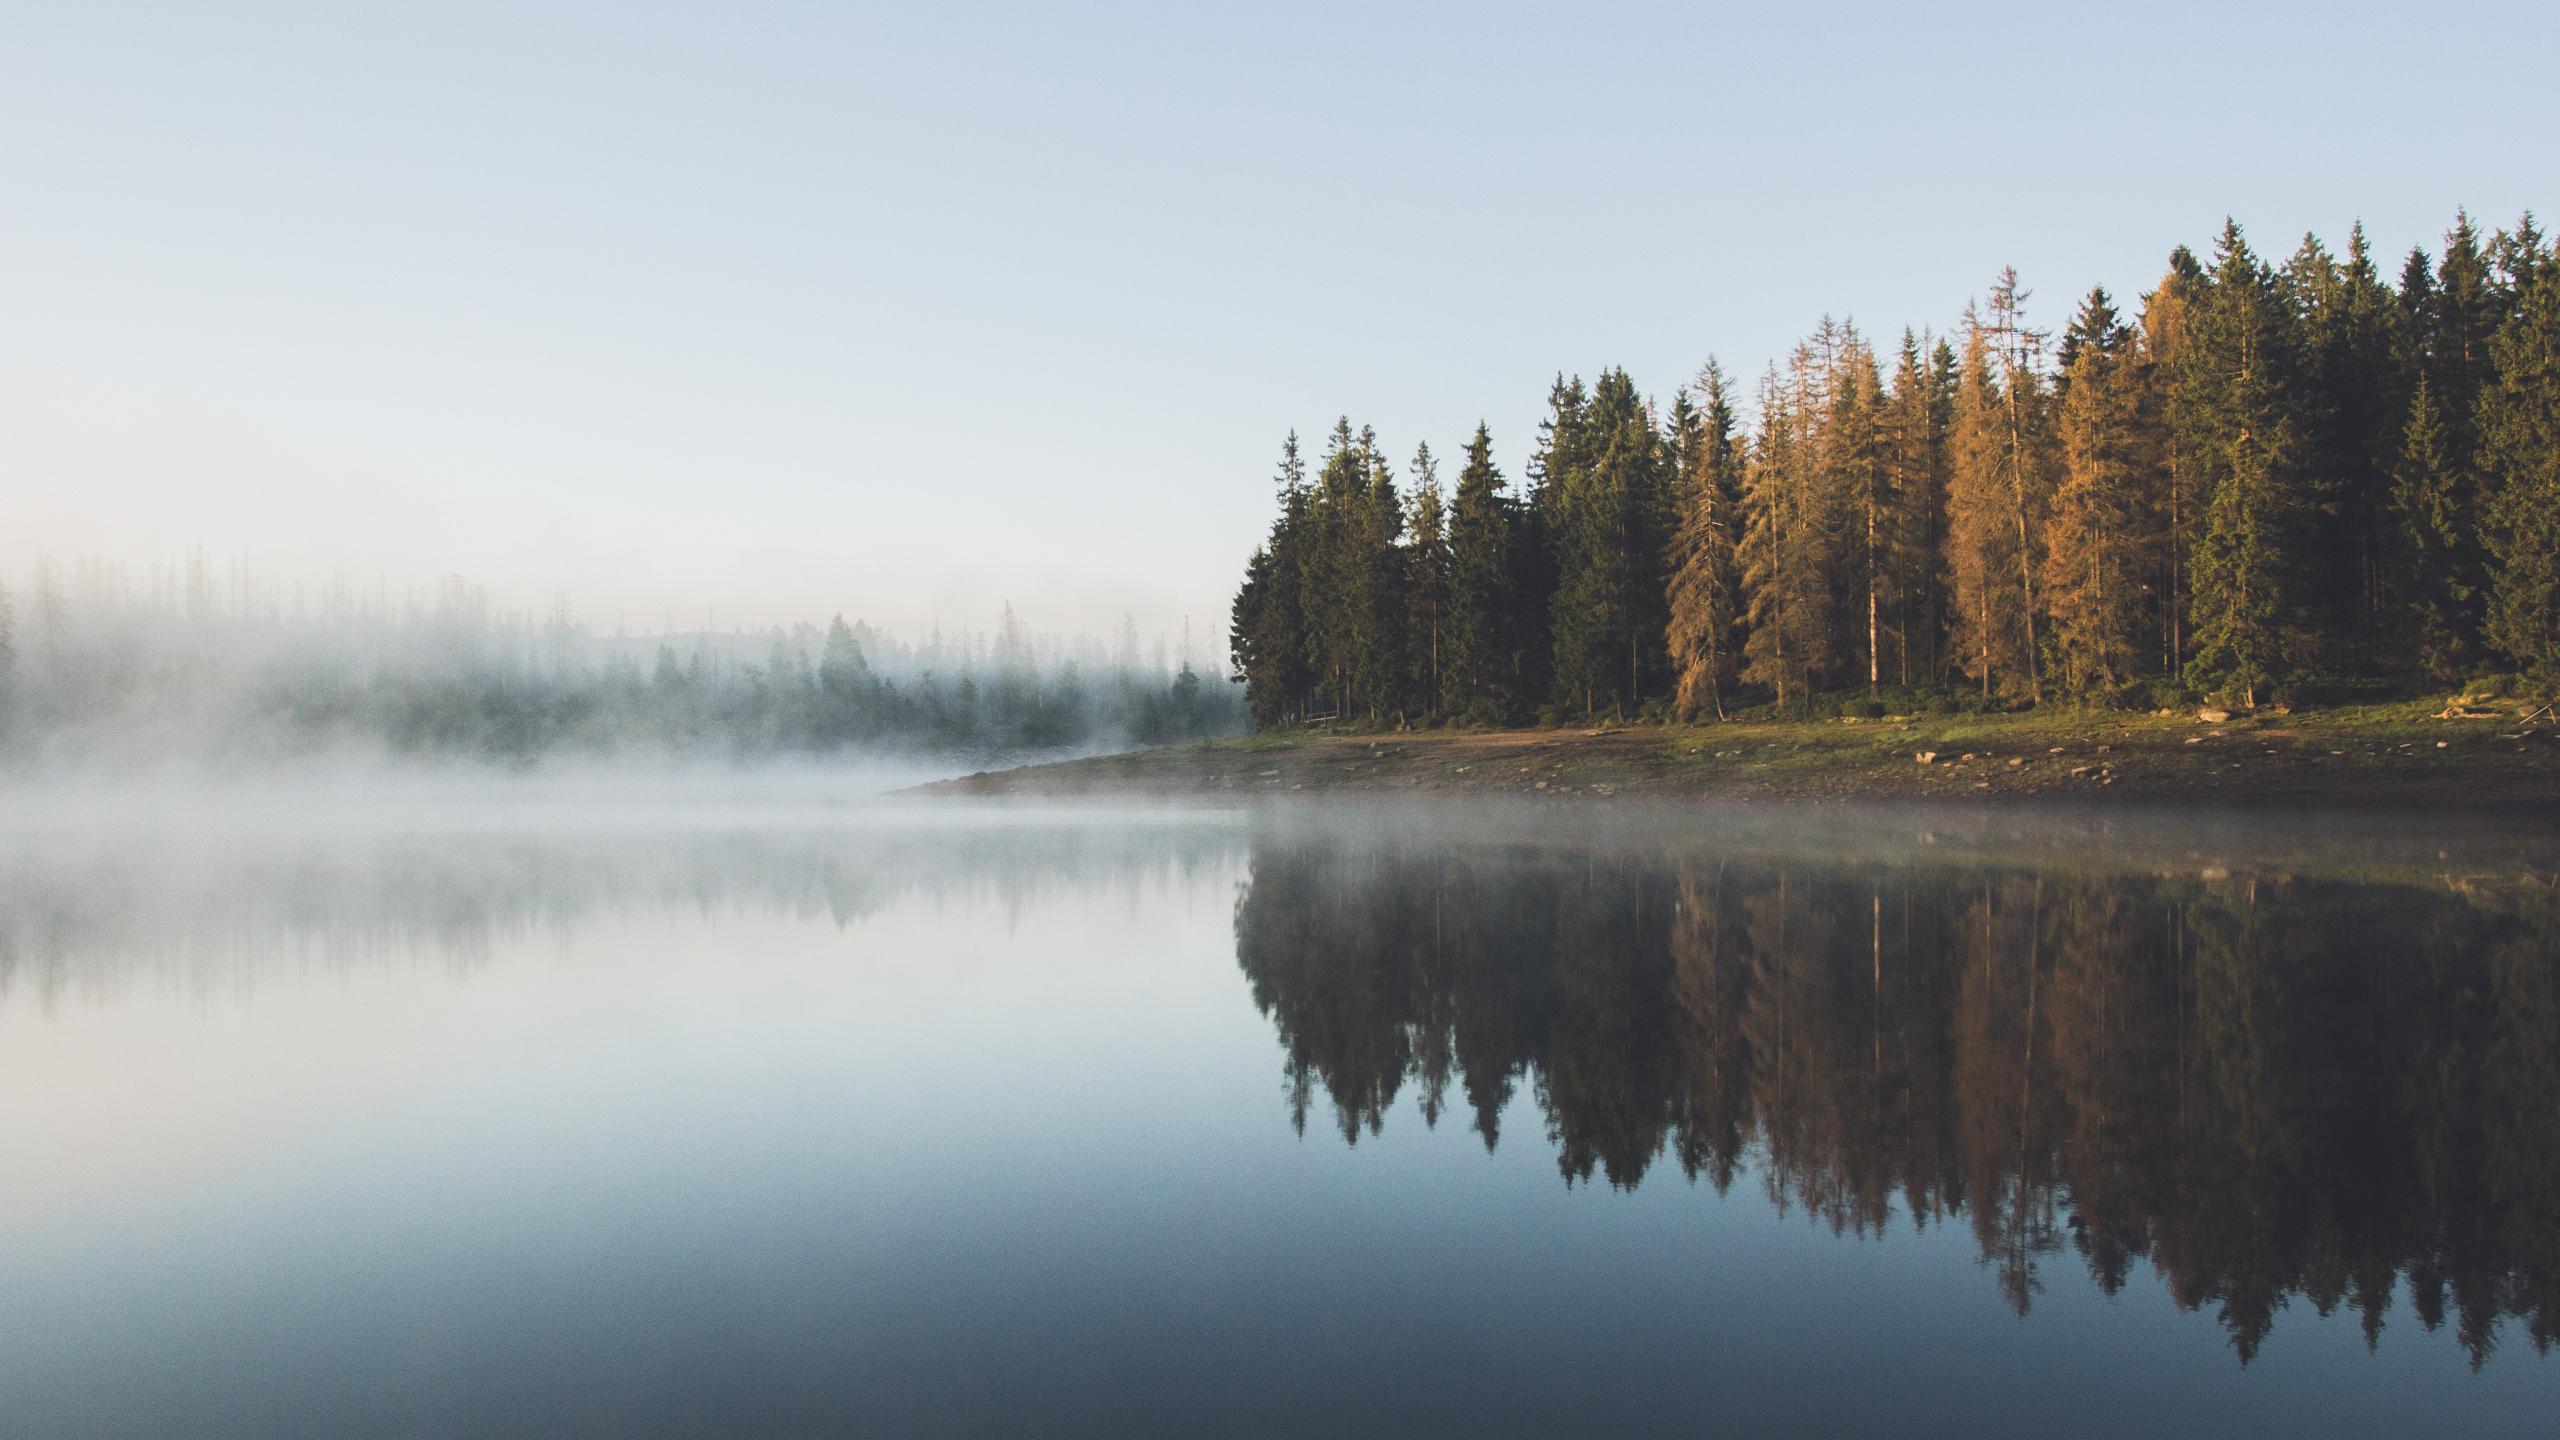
(1427,580)
(2436,566)
(2241,364)
(1269,637)
(1475,668)
(1610,514)
(2520,451)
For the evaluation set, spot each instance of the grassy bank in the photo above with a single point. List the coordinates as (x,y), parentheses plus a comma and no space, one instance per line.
(2403,755)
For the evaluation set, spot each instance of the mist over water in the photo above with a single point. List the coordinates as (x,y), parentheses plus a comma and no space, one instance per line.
(783,1110)
(100,677)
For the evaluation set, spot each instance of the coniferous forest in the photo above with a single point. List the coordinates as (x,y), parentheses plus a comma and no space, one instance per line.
(2261,482)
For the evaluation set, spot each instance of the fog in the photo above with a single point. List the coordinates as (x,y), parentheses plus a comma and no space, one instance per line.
(186,674)
(210,878)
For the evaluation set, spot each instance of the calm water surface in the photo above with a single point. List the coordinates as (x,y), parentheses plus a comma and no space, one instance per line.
(769,1120)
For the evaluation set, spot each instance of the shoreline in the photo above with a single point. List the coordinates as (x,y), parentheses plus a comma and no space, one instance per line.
(2382,758)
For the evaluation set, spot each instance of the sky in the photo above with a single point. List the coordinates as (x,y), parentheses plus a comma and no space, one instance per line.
(749,313)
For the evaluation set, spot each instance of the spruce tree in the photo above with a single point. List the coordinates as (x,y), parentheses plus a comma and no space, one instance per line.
(1911,446)
(2520,443)
(2240,366)
(1269,637)
(1474,668)
(2435,561)
(1536,566)
(2359,332)
(1375,565)
(1336,584)
(1608,520)
(1427,580)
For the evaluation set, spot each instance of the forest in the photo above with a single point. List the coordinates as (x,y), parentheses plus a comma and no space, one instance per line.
(2265,484)
(195,665)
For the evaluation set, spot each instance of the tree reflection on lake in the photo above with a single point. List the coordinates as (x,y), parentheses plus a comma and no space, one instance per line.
(799,1119)
(2270,1089)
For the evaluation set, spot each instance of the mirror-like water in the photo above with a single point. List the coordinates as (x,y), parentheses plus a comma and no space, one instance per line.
(926,1121)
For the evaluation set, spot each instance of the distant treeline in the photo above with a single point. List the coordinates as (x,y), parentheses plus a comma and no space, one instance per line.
(2271,478)
(99,671)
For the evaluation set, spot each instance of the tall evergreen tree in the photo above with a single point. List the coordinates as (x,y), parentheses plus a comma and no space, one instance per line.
(1475,658)
(2357,330)
(2168,316)
(2520,444)
(1608,524)
(1427,578)
(1536,564)
(2100,527)
(1915,427)
(1269,637)
(2248,573)
(1337,579)
(1375,566)
(2435,538)
(1704,616)
(2453,317)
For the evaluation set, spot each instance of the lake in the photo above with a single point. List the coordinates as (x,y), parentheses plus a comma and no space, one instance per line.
(772,1116)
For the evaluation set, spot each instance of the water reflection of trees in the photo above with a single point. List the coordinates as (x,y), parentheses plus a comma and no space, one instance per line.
(215,913)
(2274,1091)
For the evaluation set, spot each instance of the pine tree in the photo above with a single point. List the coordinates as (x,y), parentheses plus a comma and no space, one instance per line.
(1704,564)
(2520,442)
(1427,579)
(1474,664)
(2240,367)
(2100,527)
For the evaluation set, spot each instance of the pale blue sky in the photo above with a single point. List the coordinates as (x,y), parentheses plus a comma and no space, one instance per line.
(769,311)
